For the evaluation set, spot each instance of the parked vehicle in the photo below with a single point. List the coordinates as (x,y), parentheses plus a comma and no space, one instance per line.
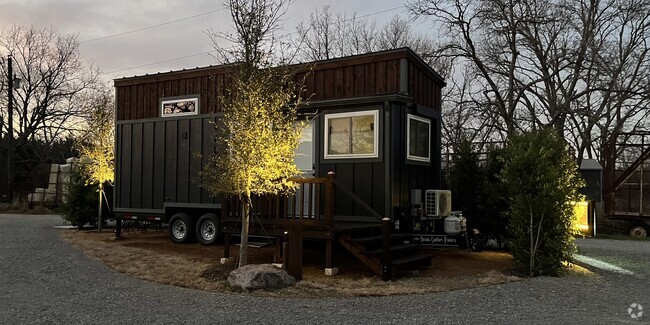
(637,225)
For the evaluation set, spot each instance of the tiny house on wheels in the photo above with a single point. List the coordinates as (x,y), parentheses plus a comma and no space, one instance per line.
(374,137)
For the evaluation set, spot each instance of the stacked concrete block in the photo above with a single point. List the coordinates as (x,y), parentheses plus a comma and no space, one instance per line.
(57,184)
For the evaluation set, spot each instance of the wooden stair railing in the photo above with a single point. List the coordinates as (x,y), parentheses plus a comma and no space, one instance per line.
(304,206)
(376,247)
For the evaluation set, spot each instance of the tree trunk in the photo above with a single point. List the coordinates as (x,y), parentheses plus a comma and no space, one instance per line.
(245,220)
(532,249)
(99,211)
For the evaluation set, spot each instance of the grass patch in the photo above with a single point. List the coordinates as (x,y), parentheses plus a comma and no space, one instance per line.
(153,257)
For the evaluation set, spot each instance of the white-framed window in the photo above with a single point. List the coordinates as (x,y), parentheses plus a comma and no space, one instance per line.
(352,135)
(179,106)
(418,138)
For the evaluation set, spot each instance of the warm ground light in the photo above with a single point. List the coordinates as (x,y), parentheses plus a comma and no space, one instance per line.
(151,256)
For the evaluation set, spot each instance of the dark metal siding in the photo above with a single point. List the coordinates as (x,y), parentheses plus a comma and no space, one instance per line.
(160,161)
(365,177)
(408,175)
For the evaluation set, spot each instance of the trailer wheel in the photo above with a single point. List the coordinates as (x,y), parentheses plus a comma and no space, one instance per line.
(208,229)
(181,228)
(638,231)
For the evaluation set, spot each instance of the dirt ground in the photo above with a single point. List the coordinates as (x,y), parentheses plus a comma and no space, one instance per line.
(152,256)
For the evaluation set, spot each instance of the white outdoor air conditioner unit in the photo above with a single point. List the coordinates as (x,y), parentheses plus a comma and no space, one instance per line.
(437,203)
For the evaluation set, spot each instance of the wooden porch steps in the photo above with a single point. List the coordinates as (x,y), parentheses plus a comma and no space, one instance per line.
(363,240)
(366,245)
(394,249)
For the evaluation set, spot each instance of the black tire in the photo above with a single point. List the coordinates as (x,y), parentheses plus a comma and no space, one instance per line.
(208,229)
(638,231)
(181,228)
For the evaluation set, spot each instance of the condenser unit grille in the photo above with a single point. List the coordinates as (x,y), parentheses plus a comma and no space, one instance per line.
(430,203)
(437,203)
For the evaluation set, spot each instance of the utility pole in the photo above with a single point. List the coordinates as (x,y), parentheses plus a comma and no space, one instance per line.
(10,128)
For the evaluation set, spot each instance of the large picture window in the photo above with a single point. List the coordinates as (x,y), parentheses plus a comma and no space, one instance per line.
(418,138)
(352,135)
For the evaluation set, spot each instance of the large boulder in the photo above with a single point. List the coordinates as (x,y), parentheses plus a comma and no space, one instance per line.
(260,276)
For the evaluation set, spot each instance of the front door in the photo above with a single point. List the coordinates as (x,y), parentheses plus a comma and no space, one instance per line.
(305,162)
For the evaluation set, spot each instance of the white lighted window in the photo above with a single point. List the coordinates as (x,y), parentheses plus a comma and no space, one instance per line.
(418,138)
(352,135)
(304,158)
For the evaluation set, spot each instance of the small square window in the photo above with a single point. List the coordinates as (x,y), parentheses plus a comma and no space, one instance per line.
(418,138)
(351,135)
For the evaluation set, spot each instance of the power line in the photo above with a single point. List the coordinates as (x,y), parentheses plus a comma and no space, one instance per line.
(208,52)
(159,62)
(375,13)
(152,26)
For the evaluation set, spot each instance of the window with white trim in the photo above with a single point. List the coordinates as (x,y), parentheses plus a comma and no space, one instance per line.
(352,135)
(418,138)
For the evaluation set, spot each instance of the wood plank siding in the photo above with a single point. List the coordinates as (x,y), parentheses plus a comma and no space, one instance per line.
(357,76)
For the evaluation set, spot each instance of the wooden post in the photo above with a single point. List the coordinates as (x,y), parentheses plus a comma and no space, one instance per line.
(328,253)
(294,256)
(226,246)
(118,228)
(99,211)
(277,257)
(385,248)
(608,176)
(329,198)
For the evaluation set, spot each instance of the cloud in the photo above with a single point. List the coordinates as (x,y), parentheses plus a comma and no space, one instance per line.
(92,19)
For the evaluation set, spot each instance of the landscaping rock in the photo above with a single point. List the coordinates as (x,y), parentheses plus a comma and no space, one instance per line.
(260,276)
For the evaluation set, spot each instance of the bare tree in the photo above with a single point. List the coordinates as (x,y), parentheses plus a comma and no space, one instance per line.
(326,35)
(619,100)
(316,35)
(571,65)
(254,42)
(53,78)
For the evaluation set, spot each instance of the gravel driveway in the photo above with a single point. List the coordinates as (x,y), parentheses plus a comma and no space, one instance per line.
(44,280)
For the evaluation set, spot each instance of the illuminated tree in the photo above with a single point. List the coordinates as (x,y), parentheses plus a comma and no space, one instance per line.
(258,134)
(97,146)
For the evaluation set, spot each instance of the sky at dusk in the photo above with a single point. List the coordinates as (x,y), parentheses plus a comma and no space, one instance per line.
(179,42)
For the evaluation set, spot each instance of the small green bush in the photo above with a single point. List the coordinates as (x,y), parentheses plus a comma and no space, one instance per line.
(541,180)
(493,203)
(466,182)
(478,191)
(80,201)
